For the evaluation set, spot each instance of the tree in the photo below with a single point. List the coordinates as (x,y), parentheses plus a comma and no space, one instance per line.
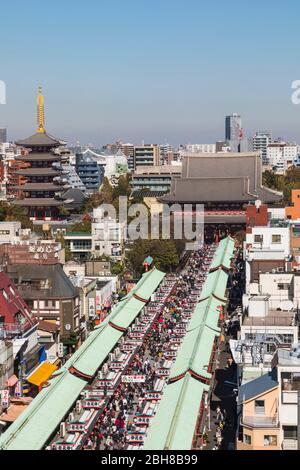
(164,253)
(11,212)
(117,268)
(106,191)
(85,226)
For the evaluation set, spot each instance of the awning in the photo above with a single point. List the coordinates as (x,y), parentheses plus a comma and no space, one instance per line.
(12,381)
(12,413)
(41,374)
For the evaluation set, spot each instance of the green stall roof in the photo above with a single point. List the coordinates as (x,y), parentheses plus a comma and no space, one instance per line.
(195,352)
(207,309)
(98,350)
(173,426)
(146,285)
(33,428)
(39,420)
(129,308)
(215,284)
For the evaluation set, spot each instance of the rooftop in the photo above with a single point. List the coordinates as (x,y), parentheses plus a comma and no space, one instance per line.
(40,139)
(274,318)
(258,386)
(289,357)
(38,172)
(38,157)
(42,201)
(59,284)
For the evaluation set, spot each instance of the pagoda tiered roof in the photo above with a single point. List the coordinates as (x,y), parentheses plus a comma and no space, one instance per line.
(40,139)
(38,172)
(39,157)
(39,187)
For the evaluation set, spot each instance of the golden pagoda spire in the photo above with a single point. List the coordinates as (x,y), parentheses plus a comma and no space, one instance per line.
(40,112)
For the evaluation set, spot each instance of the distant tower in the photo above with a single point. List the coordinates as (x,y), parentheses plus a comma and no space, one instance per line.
(40,112)
(233,126)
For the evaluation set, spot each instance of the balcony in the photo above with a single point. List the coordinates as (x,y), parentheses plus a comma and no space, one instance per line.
(260,421)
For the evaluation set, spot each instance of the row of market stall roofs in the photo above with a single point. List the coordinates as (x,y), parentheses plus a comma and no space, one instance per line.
(173,426)
(35,426)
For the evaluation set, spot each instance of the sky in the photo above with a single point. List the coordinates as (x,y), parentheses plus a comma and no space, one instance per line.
(158,71)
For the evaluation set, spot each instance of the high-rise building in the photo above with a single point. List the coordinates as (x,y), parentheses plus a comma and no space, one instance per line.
(233,127)
(146,155)
(260,143)
(3,135)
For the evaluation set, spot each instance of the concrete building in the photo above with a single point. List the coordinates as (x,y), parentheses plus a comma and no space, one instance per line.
(3,135)
(258,427)
(8,231)
(281,155)
(233,127)
(146,155)
(260,143)
(266,249)
(80,245)
(154,179)
(90,172)
(108,236)
(50,295)
(200,148)
(269,406)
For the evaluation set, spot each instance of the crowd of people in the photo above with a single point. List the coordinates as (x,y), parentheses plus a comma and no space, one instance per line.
(118,418)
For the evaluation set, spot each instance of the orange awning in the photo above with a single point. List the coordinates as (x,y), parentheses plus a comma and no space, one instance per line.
(42,374)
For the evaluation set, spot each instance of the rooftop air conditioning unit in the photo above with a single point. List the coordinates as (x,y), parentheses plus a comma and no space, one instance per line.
(71,417)
(111,356)
(62,429)
(100,375)
(105,369)
(117,352)
(280,269)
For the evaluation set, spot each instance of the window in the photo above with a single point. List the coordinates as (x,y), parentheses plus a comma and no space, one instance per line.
(283,286)
(270,440)
(290,432)
(258,238)
(4,293)
(276,238)
(259,407)
(247,439)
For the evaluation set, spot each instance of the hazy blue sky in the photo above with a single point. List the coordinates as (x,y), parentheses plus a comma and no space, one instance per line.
(159,70)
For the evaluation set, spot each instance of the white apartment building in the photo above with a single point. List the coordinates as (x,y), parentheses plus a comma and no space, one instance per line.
(200,148)
(108,235)
(267,326)
(288,377)
(260,143)
(282,155)
(265,249)
(8,231)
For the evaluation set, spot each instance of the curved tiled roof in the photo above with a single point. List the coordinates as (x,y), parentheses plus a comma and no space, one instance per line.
(39,139)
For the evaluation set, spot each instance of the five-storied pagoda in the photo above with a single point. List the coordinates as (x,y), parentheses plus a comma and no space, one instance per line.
(44,181)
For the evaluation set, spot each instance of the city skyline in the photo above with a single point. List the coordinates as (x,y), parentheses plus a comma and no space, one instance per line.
(150,72)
